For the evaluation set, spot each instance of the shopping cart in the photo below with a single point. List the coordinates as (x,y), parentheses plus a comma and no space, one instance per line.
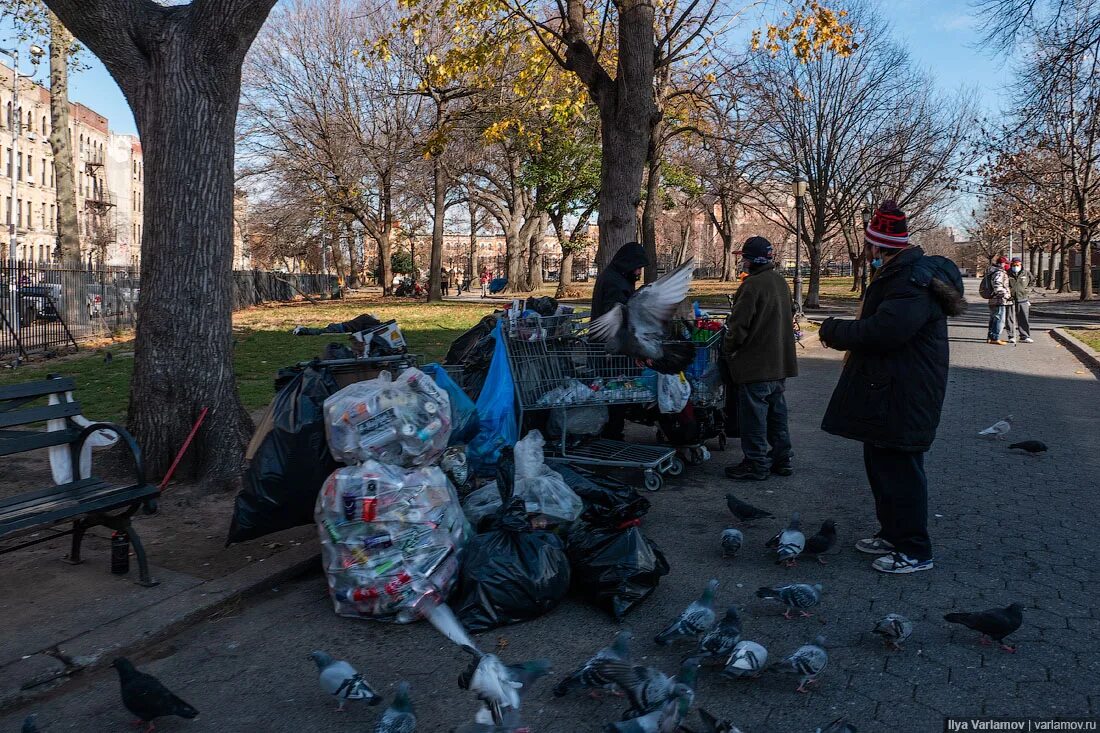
(548,357)
(708,394)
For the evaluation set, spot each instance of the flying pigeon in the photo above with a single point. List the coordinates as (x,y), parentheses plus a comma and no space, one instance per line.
(639,328)
(894,630)
(720,641)
(29,724)
(821,542)
(342,681)
(696,620)
(665,719)
(795,595)
(144,695)
(744,511)
(588,677)
(999,428)
(711,724)
(790,542)
(840,725)
(648,688)
(1034,447)
(500,687)
(399,716)
(732,540)
(746,660)
(807,661)
(995,624)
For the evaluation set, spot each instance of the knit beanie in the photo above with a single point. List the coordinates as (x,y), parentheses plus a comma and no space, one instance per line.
(887,227)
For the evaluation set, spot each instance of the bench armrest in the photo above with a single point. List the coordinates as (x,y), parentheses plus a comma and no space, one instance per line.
(124,435)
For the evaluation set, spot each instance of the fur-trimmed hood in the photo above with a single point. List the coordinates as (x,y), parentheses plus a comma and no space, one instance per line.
(942,278)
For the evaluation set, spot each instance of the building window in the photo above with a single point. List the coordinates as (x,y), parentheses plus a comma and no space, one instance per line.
(19,163)
(7,114)
(43,217)
(8,158)
(53,218)
(53,175)
(82,143)
(19,213)
(44,170)
(30,167)
(7,210)
(44,125)
(30,121)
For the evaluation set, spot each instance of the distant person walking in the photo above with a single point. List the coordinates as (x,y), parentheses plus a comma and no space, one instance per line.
(995,288)
(1019,313)
(892,387)
(484,283)
(758,350)
(445,282)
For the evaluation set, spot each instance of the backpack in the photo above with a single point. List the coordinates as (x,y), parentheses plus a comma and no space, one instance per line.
(985,288)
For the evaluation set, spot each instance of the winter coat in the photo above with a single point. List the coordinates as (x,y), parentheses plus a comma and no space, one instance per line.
(759,341)
(1002,290)
(1020,286)
(892,387)
(615,283)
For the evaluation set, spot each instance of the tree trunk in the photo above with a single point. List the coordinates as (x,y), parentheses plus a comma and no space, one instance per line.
(1048,280)
(180,69)
(1064,266)
(471,268)
(649,216)
(1086,265)
(353,263)
(534,254)
(439,212)
(813,295)
(61,42)
(385,261)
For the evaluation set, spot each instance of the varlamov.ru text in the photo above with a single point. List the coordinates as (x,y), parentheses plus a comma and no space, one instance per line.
(1034,724)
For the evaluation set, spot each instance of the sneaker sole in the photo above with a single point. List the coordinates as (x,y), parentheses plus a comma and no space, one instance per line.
(903,571)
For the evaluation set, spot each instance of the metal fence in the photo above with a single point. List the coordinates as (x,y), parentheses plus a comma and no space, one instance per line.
(44,307)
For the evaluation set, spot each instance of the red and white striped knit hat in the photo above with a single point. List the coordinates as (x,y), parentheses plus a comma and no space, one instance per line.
(887,227)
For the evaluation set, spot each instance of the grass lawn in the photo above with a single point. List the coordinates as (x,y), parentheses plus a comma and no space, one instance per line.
(1090,336)
(712,293)
(264,344)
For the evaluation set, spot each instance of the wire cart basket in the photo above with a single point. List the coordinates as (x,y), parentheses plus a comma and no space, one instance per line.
(548,357)
(708,393)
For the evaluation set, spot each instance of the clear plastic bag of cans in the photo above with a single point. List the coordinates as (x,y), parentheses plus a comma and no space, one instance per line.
(404,421)
(391,539)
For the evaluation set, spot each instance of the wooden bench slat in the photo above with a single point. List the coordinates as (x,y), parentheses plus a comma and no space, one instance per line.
(21,441)
(116,497)
(37,389)
(38,414)
(73,490)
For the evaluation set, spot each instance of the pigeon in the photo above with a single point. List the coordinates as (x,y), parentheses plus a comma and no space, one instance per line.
(821,542)
(840,725)
(639,328)
(399,716)
(711,724)
(744,511)
(144,695)
(511,723)
(995,624)
(746,660)
(648,688)
(29,724)
(500,687)
(807,661)
(108,357)
(665,719)
(342,681)
(696,620)
(1034,447)
(795,595)
(789,543)
(731,541)
(587,677)
(720,641)
(894,630)
(997,429)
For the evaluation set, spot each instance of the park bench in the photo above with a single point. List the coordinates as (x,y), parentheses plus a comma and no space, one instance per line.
(86,502)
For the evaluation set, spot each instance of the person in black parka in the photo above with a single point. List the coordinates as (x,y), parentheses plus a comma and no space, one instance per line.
(615,285)
(892,387)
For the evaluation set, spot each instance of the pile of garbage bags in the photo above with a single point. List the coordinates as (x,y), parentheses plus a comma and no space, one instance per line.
(391,526)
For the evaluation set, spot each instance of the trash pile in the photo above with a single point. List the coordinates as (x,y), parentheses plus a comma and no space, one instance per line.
(390,523)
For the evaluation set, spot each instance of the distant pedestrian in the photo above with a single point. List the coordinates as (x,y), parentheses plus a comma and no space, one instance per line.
(758,351)
(995,288)
(1019,313)
(892,387)
(445,282)
(484,283)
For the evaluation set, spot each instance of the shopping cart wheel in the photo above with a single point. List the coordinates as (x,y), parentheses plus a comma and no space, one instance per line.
(675,466)
(653,481)
(721,441)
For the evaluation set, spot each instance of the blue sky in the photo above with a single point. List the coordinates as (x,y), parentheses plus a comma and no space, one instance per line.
(940,35)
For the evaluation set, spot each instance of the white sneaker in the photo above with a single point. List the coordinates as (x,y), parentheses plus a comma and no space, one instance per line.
(1028,340)
(898,563)
(1012,341)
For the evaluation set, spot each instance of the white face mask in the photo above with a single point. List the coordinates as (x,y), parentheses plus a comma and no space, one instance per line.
(1015,270)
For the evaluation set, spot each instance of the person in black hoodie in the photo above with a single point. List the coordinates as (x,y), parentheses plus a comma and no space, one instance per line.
(892,387)
(615,285)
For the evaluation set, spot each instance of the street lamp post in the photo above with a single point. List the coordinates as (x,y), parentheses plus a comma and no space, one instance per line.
(798,188)
(15,119)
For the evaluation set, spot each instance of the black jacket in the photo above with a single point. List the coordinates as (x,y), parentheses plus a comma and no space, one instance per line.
(759,341)
(615,283)
(892,387)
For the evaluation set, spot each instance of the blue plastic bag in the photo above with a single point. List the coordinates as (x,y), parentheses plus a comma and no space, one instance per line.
(464,419)
(496,410)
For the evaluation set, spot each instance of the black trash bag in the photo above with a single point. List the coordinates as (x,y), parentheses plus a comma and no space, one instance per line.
(544,305)
(616,567)
(289,462)
(510,573)
(474,351)
(607,502)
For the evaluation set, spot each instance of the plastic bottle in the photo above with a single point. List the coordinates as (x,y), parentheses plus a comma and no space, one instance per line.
(120,553)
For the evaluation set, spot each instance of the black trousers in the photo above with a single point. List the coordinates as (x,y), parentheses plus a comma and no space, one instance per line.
(900,487)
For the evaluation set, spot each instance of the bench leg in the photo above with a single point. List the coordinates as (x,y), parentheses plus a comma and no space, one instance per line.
(143,562)
(79,528)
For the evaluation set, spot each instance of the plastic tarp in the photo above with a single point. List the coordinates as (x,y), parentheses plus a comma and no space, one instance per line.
(464,419)
(496,411)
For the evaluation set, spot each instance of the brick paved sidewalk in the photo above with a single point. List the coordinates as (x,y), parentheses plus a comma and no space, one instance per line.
(1006,528)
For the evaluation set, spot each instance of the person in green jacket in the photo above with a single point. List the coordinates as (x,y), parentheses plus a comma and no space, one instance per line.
(759,353)
(1019,310)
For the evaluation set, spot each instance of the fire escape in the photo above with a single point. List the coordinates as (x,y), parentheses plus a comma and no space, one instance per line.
(98,203)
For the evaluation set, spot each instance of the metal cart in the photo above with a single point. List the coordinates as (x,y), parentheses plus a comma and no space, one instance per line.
(708,394)
(547,355)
